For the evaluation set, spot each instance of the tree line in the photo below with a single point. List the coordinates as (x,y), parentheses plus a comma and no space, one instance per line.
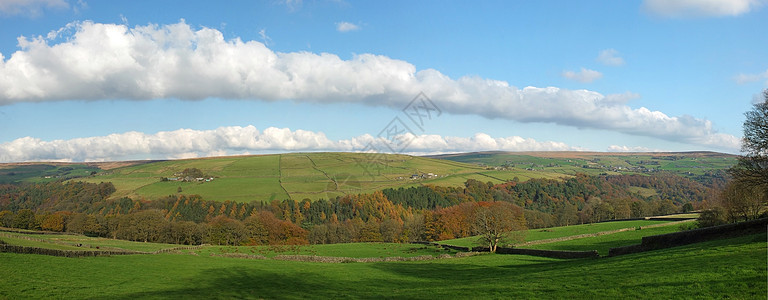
(391,215)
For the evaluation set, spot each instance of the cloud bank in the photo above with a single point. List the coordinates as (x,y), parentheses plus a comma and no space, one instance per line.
(93,61)
(188,143)
(700,8)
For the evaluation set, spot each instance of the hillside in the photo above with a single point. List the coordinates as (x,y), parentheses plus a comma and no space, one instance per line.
(326,175)
(296,176)
(689,164)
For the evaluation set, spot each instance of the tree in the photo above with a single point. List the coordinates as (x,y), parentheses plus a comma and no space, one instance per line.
(742,203)
(25,219)
(6,218)
(498,222)
(53,222)
(752,168)
(226,231)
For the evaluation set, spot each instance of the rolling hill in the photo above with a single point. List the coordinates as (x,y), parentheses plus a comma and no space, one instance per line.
(297,176)
(327,175)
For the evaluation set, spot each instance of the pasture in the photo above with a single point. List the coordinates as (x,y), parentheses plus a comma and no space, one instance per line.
(731,268)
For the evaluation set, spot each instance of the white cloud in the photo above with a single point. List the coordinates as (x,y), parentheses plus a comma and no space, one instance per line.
(346,27)
(610,57)
(585,75)
(292,5)
(264,37)
(617,148)
(621,98)
(32,8)
(112,61)
(700,8)
(187,143)
(748,78)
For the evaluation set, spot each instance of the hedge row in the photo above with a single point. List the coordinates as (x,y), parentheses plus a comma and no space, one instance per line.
(62,253)
(520,251)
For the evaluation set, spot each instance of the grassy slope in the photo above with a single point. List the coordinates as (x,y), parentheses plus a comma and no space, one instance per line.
(297,175)
(696,163)
(603,243)
(564,231)
(69,242)
(733,268)
(327,175)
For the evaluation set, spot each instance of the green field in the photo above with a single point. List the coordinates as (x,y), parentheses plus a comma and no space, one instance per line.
(732,268)
(595,163)
(564,231)
(297,176)
(43,172)
(603,243)
(69,242)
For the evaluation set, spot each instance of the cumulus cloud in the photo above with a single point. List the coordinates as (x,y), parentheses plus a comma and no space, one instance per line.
(610,57)
(346,27)
(92,61)
(32,8)
(700,8)
(188,143)
(621,98)
(748,78)
(585,75)
(617,148)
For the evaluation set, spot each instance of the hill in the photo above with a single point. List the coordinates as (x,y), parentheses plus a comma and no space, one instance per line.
(296,176)
(690,164)
(326,175)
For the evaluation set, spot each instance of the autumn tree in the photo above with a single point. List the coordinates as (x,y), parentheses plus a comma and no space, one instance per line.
(225,231)
(499,222)
(53,222)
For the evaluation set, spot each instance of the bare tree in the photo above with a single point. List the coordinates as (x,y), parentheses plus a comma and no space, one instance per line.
(742,202)
(499,222)
(752,168)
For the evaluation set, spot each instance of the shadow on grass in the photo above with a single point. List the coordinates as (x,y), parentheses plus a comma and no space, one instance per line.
(671,273)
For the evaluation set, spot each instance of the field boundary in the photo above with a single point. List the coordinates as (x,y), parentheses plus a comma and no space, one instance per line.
(64,253)
(521,251)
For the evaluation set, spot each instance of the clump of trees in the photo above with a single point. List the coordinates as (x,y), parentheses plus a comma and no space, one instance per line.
(746,195)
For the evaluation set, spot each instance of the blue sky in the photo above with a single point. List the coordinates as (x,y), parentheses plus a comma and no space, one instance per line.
(108,80)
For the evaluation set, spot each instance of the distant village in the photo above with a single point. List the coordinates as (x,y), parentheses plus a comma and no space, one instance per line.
(189,175)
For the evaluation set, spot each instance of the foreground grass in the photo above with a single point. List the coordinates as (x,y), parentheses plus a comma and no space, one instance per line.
(564,231)
(733,268)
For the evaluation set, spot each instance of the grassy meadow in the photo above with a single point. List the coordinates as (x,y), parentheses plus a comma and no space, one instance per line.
(732,268)
(565,231)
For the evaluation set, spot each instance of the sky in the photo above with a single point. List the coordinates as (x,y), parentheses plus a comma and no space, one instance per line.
(85,80)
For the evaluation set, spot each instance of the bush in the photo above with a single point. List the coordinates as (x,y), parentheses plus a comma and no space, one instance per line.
(712,217)
(688,226)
